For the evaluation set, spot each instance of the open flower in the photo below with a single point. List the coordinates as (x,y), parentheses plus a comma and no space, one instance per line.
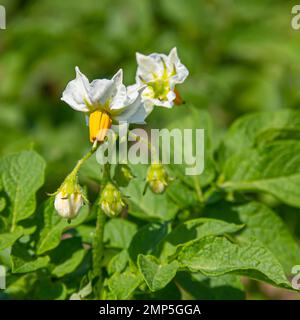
(105,102)
(160,73)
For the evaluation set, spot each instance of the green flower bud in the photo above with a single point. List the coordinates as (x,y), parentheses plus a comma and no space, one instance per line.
(123,175)
(157,178)
(111,200)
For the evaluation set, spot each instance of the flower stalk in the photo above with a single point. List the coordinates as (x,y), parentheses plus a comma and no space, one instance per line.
(98,245)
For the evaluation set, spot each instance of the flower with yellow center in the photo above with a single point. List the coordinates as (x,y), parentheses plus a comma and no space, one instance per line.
(160,73)
(105,102)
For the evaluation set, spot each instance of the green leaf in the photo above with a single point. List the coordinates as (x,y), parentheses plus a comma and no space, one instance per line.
(192,118)
(46,289)
(122,285)
(156,275)
(67,257)
(53,226)
(274,169)
(22,286)
(118,233)
(201,287)
(148,206)
(147,240)
(215,256)
(181,194)
(257,128)
(23,262)
(196,229)
(22,174)
(86,232)
(2,204)
(277,134)
(9,238)
(263,224)
(5,259)
(169,292)
(91,169)
(118,262)
(82,293)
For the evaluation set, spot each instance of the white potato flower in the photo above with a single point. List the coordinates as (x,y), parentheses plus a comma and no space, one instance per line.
(160,73)
(105,102)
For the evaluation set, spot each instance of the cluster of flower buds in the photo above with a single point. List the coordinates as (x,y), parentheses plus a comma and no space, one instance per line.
(69,198)
(111,201)
(157,178)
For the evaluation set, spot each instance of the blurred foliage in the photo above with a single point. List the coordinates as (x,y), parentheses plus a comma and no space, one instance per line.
(242,56)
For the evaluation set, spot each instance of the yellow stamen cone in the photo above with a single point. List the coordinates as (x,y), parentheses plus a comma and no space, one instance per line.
(99,123)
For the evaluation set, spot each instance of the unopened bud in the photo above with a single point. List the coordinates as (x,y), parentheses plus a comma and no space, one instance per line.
(69,198)
(68,205)
(157,178)
(123,175)
(111,200)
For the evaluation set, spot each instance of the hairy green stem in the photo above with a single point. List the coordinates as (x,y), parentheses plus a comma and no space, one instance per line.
(98,245)
(98,242)
(85,158)
(198,189)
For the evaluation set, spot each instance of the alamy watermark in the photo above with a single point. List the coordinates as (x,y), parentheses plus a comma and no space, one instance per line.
(296,278)
(176,146)
(2,277)
(295,22)
(2,17)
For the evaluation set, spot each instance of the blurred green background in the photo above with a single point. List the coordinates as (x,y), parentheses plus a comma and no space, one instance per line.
(243,56)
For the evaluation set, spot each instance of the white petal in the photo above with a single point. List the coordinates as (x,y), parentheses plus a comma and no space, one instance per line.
(181,74)
(133,91)
(148,67)
(173,58)
(174,64)
(134,112)
(87,120)
(149,103)
(76,94)
(149,106)
(171,96)
(119,99)
(69,205)
(118,78)
(112,90)
(101,91)
(165,103)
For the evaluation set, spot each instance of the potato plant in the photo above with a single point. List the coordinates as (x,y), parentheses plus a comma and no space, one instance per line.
(73,228)
(197,239)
